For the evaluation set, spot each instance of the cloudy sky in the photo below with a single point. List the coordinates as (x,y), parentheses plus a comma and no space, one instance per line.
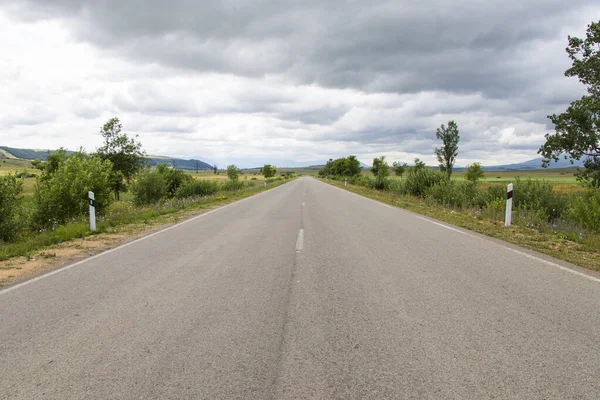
(247,82)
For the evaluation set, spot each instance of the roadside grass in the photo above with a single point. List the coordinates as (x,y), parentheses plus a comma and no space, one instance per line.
(161,212)
(584,252)
(223,176)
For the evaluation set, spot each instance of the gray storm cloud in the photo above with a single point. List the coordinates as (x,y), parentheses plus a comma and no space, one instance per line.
(347,72)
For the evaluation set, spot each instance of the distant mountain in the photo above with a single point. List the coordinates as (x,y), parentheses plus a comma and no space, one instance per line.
(536,163)
(29,154)
(179,163)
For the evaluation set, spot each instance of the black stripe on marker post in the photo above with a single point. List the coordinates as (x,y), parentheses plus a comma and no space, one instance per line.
(509,195)
(92,202)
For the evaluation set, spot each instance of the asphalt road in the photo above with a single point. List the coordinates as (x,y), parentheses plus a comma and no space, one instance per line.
(305,291)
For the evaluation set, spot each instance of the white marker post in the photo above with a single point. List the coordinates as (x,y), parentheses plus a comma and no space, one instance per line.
(92,211)
(265,183)
(345,182)
(509,196)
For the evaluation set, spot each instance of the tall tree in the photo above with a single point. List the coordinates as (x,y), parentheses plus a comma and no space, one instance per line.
(125,153)
(446,154)
(578,128)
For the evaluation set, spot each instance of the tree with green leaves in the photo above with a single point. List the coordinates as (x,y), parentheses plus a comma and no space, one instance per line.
(53,161)
(269,171)
(124,152)
(419,164)
(474,172)
(379,163)
(578,128)
(446,154)
(399,168)
(174,178)
(233,172)
(381,170)
(346,166)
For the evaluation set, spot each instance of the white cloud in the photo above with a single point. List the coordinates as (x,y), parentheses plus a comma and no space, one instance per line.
(252,101)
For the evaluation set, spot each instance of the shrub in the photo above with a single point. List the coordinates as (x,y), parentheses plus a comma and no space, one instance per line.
(201,187)
(63,195)
(538,195)
(233,172)
(174,178)
(148,187)
(10,189)
(418,180)
(474,172)
(362,180)
(25,174)
(269,171)
(396,186)
(232,185)
(381,183)
(456,194)
(585,210)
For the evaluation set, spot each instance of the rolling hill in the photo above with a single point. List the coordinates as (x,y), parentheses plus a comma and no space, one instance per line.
(32,154)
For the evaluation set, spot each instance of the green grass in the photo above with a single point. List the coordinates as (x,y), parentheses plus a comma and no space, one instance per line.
(12,165)
(551,175)
(80,228)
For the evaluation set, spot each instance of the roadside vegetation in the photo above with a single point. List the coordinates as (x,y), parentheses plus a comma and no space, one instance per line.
(54,208)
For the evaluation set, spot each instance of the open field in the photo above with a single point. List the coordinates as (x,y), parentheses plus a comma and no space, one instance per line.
(222,176)
(551,175)
(11,165)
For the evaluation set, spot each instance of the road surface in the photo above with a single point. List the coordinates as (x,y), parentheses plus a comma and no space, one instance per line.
(305,291)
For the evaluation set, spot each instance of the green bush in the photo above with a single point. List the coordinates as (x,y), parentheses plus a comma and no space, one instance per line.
(232,185)
(585,210)
(148,187)
(233,172)
(25,174)
(200,187)
(396,186)
(539,196)
(10,189)
(418,180)
(364,181)
(381,183)
(457,194)
(63,195)
(174,178)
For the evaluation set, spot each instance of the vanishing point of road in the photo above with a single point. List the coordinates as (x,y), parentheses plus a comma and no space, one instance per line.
(305,291)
